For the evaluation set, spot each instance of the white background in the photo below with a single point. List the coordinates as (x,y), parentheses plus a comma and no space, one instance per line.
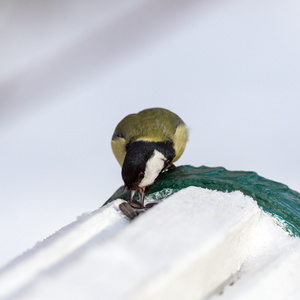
(70,71)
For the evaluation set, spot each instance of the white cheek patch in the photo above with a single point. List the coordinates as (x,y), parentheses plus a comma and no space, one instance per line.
(153,167)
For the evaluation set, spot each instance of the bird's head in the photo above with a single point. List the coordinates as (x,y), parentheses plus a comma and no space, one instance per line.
(143,162)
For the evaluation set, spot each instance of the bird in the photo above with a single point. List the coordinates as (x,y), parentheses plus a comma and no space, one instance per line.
(145,144)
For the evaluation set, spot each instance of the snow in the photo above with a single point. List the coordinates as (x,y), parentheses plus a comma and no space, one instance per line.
(271,270)
(101,224)
(190,246)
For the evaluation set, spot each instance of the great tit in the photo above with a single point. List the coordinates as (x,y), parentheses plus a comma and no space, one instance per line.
(145,144)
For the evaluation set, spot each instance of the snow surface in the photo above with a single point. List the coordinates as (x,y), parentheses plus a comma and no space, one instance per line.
(193,245)
(100,224)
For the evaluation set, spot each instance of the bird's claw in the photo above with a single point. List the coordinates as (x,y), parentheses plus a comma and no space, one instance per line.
(134,208)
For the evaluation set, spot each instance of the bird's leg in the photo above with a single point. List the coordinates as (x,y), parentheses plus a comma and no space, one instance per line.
(170,167)
(134,203)
(132,192)
(134,208)
(142,195)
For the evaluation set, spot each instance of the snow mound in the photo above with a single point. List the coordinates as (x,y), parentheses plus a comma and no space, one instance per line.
(196,244)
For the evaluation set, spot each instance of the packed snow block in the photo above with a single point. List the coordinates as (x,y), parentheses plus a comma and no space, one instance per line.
(272,270)
(186,247)
(207,242)
(278,280)
(23,271)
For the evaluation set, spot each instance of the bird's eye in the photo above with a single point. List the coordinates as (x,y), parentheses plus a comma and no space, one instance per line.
(141,176)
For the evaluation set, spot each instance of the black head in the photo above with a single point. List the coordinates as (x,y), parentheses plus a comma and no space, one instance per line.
(144,161)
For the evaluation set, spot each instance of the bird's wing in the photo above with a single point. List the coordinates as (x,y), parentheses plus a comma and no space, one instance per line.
(180,139)
(118,145)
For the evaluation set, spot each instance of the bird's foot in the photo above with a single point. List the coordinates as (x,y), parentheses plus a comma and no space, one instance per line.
(134,208)
(170,167)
